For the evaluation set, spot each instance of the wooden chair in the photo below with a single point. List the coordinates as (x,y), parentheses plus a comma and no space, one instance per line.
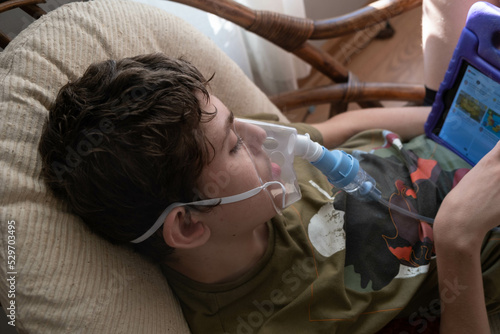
(294,34)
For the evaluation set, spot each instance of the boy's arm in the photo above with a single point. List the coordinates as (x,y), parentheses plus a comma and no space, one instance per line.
(407,122)
(461,289)
(467,213)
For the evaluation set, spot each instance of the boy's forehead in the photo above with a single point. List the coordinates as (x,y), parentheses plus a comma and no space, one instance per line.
(219,126)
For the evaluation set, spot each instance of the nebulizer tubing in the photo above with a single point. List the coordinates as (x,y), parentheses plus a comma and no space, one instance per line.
(343,171)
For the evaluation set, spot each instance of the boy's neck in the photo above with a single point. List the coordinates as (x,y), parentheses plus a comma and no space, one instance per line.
(222,262)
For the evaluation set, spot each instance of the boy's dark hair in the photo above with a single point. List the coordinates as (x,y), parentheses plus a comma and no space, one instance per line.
(124,141)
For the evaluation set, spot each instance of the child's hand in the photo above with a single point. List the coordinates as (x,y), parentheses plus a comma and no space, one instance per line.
(472,208)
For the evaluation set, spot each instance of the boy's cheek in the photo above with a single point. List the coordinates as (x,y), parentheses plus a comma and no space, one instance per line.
(227,182)
(214,183)
(234,169)
(264,169)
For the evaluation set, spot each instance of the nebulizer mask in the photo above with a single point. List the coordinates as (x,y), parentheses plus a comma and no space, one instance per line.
(342,170)
(283,143)
(276,144)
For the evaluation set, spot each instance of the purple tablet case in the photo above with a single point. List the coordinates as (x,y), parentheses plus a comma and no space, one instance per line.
(479,47)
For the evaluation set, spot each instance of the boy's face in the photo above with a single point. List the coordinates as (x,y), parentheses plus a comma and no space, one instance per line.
(231,171)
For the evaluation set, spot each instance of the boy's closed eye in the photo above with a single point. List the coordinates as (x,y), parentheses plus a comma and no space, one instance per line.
(237,147)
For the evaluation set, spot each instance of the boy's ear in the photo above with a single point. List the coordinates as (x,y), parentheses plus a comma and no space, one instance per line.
(181,230)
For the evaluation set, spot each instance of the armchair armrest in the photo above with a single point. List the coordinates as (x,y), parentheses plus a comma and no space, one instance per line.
(346,92)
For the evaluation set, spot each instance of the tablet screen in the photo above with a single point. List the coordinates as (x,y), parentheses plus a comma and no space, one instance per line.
(471,124)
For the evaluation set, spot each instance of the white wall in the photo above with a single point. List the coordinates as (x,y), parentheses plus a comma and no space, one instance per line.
(324,9)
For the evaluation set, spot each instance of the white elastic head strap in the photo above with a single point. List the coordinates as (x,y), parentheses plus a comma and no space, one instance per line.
(206,202)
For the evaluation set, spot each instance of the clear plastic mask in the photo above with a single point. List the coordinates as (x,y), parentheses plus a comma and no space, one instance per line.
(279,146)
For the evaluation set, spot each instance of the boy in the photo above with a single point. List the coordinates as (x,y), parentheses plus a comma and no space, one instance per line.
(150,134)
(146,133)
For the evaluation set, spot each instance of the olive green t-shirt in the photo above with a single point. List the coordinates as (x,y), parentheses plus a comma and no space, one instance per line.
(338,265)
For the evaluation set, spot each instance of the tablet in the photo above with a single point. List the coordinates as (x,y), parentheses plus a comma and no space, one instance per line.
(465,116)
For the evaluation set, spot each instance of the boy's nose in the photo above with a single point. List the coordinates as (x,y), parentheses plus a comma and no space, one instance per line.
(253,136)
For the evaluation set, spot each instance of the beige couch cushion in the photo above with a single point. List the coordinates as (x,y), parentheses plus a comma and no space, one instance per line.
(69,280)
